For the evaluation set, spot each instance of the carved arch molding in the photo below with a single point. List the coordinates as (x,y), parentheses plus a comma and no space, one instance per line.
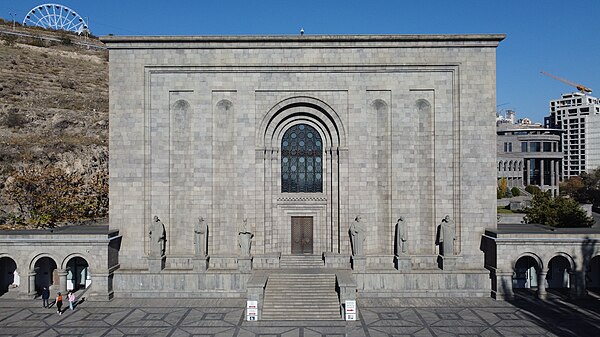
(327,208)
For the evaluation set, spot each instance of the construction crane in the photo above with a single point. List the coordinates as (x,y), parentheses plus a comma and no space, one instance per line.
(582,88)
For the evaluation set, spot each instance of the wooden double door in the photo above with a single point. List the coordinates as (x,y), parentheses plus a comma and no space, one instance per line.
(302,235)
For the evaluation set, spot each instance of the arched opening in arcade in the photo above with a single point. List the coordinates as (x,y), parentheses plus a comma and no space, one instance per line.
(8,274)
(78,274)
(558,276)
(592,275)
(46,273)
(525,275)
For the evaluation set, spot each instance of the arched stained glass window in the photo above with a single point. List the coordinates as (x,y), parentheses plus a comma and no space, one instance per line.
(301,160)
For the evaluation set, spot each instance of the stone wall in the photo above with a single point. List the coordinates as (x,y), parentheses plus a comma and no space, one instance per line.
(509,243)
(407,124)
(97,246)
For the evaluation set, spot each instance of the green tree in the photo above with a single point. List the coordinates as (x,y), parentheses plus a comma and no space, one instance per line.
(557,212)
(591,182)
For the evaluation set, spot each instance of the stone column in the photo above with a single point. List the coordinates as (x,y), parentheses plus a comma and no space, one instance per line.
(542,174)
(335,177)
(521,180)
(62,276)
(572,284)
(552,180)
(526,168)
(542,294)
(31,276)
(557,174)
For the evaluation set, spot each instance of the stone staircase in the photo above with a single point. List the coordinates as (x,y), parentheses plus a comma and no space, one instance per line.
(301,296)
(301,261)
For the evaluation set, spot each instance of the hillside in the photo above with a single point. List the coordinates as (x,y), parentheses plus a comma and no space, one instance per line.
(53,129)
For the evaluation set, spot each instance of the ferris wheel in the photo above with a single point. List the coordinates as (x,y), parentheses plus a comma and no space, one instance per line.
(55,16)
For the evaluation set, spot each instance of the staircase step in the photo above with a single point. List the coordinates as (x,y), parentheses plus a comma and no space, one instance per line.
(282,299)
(296,296)
(304,314)
(301,261)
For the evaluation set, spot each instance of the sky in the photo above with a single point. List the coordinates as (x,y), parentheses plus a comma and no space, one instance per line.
(557,36)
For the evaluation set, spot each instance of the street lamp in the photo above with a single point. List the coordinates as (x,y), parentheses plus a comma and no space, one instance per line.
(13,18)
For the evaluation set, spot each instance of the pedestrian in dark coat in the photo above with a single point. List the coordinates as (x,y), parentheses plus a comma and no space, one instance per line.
(45,297)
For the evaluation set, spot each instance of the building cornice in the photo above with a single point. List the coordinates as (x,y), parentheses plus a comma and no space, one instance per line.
(304,41)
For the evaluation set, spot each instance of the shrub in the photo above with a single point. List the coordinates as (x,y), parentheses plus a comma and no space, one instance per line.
(13,119)
(37,42)
(65,40)
(533,189)
(9,40)
(515,191)
(66,83)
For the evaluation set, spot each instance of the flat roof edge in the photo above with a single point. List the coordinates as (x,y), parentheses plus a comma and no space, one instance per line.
(304,38)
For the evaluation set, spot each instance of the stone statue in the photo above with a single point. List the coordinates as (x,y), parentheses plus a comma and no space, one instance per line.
(157,237)
(401,237)
(358,233)
(447,236)
(200,237)
(245,239)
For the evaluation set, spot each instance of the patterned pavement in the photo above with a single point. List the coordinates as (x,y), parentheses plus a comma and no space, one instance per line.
(378,317)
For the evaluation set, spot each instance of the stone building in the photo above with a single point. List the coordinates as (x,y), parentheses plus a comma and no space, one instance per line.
(298,135)
(528,154)
(238,162)
(542,258)
(65,258)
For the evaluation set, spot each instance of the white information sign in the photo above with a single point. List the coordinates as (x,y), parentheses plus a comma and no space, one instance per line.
(252,310)
(350,307)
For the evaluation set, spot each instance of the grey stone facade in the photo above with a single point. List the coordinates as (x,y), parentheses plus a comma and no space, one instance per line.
(196,125)
(540,257)
(43,258)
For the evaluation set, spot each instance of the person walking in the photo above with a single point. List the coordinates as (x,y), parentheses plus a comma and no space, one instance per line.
(45,297)
(71,298)
(59,300)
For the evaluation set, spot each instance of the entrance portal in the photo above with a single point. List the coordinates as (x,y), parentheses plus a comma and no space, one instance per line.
(302,235)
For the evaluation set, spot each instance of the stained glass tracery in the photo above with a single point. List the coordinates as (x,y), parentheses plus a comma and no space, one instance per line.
(301,160)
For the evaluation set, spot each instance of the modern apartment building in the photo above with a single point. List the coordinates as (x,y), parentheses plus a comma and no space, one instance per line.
(528,154)
(578,115)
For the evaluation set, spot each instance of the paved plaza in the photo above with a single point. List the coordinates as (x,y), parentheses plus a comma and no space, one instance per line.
(378,317)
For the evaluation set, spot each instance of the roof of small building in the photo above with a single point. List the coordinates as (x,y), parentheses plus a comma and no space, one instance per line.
(542,229)
(93,228)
